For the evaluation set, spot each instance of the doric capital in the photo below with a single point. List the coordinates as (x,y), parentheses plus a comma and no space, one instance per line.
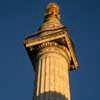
(53,47)
(60,38)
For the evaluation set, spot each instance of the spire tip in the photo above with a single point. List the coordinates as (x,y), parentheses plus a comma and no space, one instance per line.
(52,11)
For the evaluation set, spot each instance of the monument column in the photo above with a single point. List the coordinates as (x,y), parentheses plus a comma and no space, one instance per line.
(52,72)
(52,54)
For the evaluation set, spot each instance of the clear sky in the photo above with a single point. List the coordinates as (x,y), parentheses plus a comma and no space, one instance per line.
(21,17)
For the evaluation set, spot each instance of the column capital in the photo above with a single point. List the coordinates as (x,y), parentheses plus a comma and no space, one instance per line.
(60,37)
(53,47)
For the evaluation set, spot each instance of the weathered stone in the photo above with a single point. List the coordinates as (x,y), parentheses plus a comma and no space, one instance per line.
(52,53)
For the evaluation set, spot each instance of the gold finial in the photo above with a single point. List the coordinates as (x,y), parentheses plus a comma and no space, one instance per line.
(52,18)
(52,11)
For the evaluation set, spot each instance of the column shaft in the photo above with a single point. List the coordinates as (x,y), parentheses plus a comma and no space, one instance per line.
(52,77)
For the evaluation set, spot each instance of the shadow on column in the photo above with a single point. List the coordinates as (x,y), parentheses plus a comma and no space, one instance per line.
(50,96)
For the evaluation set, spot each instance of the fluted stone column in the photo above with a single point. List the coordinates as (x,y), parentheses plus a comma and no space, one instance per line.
(52,54)
(52,72)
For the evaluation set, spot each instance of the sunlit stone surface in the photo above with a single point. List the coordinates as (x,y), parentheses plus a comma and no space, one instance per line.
(52,54)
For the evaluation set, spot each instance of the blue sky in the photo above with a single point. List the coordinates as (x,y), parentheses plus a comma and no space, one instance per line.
(18,18)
